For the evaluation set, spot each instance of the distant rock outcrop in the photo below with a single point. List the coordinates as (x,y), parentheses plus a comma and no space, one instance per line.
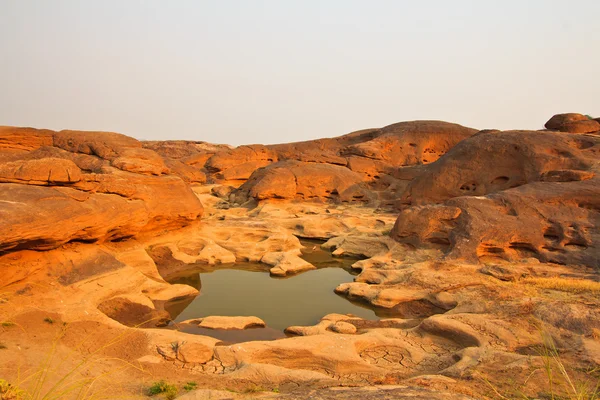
(573,123)
(384,160)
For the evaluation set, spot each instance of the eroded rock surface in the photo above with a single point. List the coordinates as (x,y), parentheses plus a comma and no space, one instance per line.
(58,187)
(509,195)
(477,251)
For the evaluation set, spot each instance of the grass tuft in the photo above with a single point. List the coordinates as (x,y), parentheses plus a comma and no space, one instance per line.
(190,386)
(10,392)
(49,320)
(561,383)
(564,284)
(254,389)
(7,324)
(162,387)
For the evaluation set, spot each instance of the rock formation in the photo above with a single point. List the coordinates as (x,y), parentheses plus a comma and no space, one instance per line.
(58,187)
(509,195)
(573,123)
(466,245)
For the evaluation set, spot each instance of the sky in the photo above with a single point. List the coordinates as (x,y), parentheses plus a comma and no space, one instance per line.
(272,71)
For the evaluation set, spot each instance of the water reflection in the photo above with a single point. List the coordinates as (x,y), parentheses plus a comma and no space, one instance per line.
(247,289)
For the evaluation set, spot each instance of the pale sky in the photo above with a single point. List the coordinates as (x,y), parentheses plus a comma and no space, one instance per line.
(270,71)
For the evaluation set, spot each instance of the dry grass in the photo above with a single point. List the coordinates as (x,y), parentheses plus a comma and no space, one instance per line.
(48,381)
(561,383)
(564,284)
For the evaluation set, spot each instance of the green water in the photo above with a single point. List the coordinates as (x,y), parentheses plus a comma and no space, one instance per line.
(249,290)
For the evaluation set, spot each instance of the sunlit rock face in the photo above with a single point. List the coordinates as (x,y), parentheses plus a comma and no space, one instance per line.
(509,195)
(63,186)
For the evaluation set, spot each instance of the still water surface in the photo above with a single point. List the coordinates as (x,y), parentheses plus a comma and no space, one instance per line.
(247,289)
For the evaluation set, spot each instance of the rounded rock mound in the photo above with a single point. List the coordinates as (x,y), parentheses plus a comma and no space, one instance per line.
(304,181)
(573,123)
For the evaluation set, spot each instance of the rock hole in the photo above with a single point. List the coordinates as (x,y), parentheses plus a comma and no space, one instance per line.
(584,144)
(553,249)
(439,240)
(576,245)
(89,241)
(552,234)
(551,237)
(469,187)
(500,180)
(523,249)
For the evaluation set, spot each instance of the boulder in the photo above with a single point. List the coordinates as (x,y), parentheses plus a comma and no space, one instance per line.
(141,161)
(305,181)
(411,143)
(123,152)
(84,162)
(186,172)
(169,201)
(47,171)
(572,123)
(286,263)
(24,139)
(551,221)
(66,186)
(106,145)
(490,162)
(222,322)
(239,163)
(42,218)
(183,149)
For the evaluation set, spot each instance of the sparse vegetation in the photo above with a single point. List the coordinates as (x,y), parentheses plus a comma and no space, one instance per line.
(560,378)
(190,386)
(49,320)
(561,383)
(10,392)
(7,324)
(161,387)
(254,389)
(564,284)
(46,381)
